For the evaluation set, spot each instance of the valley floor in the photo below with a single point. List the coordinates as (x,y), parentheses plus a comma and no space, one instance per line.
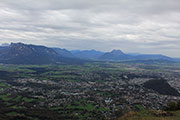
(92,91)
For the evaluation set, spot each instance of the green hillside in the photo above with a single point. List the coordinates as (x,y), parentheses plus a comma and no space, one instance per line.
(151,115)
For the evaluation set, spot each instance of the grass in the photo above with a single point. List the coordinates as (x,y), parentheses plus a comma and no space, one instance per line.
(12,114)
(25,99)
(102,109)
(17,107)
(8,97)
(15,68)
(148,115)
(17,99)
(83,105)
(80,108)
(88,107)
(139,107)
(55,108)
(2,85)
(59,72)
(5,97)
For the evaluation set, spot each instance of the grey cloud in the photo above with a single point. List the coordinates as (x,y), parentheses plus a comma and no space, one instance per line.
(149,26)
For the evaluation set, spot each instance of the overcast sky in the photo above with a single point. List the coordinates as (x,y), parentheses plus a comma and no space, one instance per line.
(143,26)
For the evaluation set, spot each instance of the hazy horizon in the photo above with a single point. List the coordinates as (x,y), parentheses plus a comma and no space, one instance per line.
(142,26)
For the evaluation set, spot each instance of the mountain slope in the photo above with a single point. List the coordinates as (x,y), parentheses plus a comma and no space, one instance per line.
(87,54)
(162,87)
(63,52)
(115,55)
(19,53)
(119,55)
(151,56)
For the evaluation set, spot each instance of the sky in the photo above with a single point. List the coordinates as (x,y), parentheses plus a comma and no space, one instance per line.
(133,26)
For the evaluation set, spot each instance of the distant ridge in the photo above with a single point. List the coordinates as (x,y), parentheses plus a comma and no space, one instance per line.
(87,54)
(5,44)
(20,53)
(115,55)
(63,52)
(119,55)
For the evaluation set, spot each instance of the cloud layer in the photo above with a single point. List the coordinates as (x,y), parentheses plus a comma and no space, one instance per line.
(145,26)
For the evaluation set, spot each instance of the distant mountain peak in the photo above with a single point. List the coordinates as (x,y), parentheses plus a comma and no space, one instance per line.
(63,52)
(117,52)
(5,44)
(87,54)
(19,43)
(115,55)
(20,53)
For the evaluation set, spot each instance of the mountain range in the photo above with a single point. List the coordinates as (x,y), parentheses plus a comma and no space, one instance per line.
(119,55)
(87,54)
(20,53)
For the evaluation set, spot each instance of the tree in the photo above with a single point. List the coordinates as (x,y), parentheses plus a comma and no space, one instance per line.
(172,106)
(178,105)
